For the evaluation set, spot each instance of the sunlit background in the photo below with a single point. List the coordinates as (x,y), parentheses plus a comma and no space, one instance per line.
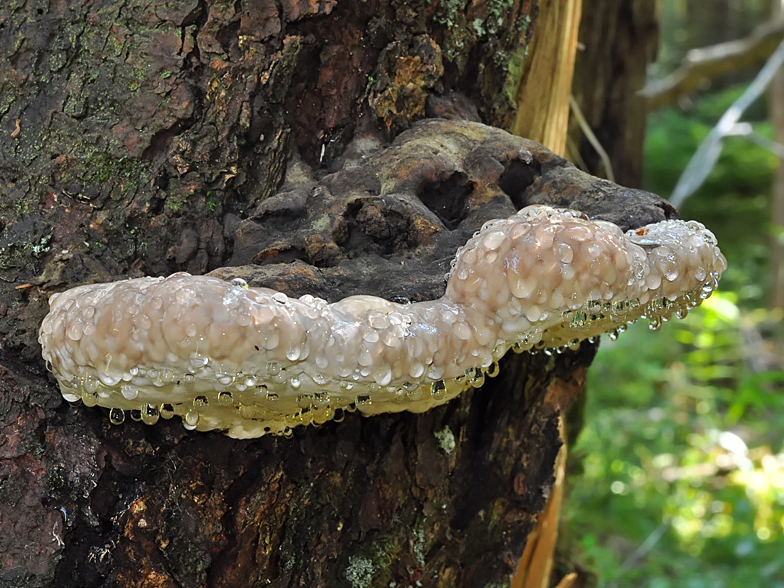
(677,479)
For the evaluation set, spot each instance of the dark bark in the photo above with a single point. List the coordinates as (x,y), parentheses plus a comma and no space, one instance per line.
(619,39)
(254,134)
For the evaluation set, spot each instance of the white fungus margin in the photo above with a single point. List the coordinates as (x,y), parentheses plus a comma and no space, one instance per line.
(251,361)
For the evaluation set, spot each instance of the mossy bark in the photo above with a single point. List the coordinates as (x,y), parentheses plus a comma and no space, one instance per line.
(152,137)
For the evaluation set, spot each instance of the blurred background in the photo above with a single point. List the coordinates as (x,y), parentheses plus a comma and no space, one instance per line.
(677,477)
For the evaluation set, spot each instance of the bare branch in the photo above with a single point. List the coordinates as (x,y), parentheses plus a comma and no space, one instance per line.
(708,63)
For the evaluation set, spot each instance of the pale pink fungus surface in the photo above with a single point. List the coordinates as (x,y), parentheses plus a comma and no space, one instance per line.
(249,361)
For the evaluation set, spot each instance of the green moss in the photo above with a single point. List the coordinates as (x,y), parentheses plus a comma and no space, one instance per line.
(173,205)
(23,206)
(114,45)
(6,101)
(514,73)
(137,77)
(57,484)
(92,167)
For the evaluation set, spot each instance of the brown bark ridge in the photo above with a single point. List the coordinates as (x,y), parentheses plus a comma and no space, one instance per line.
(158,137)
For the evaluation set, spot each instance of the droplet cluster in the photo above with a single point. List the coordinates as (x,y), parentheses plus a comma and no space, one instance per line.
(250,361)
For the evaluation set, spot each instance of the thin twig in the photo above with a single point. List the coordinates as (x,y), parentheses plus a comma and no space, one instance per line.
(586,129)
(708,152)
(746,131)
(641,551)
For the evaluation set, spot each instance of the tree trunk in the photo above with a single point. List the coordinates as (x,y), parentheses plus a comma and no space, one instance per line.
(776,108)
(153,138)
(546,82)
(619,39)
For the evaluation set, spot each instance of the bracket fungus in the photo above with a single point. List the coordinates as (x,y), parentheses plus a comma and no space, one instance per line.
(250,361)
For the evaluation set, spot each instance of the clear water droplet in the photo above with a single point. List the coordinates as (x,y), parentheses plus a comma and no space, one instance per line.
(150,414)
(198,361)
(493,370)
(90,383)
(294,352)
(224,379)
(321,400)
(129,391)
(191,419)
(117,416)
(370,335)
(109,379)
(476,377)
(89,398)
(260,393)
(70,396)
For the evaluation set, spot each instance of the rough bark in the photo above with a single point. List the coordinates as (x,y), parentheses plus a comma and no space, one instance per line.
(255,133)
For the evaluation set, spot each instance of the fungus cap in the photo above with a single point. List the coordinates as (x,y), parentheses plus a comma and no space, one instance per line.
(250,361)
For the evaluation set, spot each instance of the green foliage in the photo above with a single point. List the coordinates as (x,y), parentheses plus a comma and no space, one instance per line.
(678,476)
(737,188)
(663,447)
